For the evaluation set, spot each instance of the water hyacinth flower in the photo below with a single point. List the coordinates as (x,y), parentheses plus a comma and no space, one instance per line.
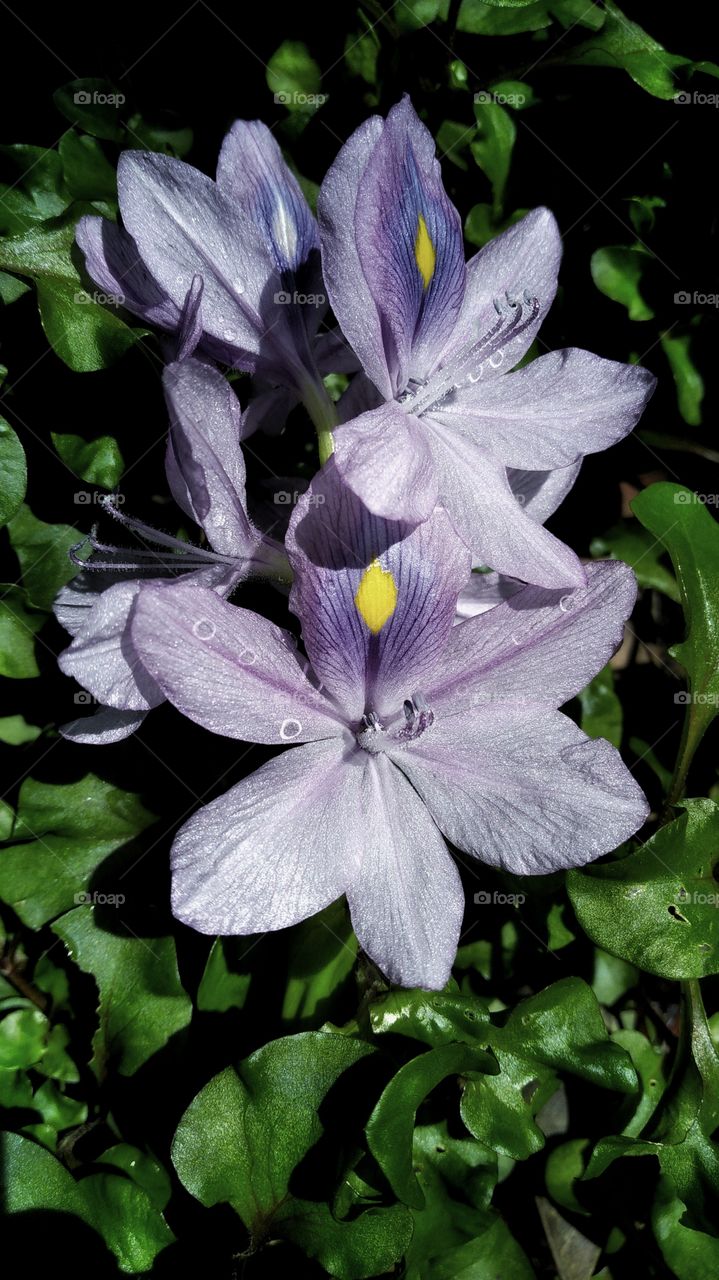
(250,239)
(411,730)
(206,474)
(438,339)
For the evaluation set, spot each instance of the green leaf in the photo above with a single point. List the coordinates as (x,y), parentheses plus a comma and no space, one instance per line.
(142,1002)
(680,522)
(478,18)
(131,1226)
(638,548)
(62,835)
(58,1110)
(23,1035)
(361,52)
(690,1254)
(94,105)
(18,627)
(457,1177)
(412,15)
(623,44)
(172,142)
(391,1125)
(56,1062)
(10,290)
(16,731)
(225,983)
(493,1253)
(88,173)
(96,462)
(657,908)
(492,150)
(13,472)
(322,955)
(565,1165)
(38,192)
(433,1017)
(259,1122)
(143,1169)
(617,272)
(294,78)
(561,1028)
(687,378)
(113,1206)
(85,334)
(42,550)
(601,708)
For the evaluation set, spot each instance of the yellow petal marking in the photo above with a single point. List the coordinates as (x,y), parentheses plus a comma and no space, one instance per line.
(424,254)
(376,597)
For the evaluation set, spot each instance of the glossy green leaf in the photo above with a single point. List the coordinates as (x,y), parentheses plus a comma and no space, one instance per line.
(478,18)
(62,835)
(131,1226)
(84,333)
(689,1253)
(260,1121)
(143,1169)
(42,550)
(294,77)
(142,1001)
(23,1036)
(94,105)
(10,290)
(624,44)
(323,952)
(601,709)
(94,461)
(638,548)
(391,1125)
(13,472)
(492,148)
(617,272)
(680,522)
(18,627)
(88,173)
(687,378)
(225,983)
(15,731)
(657,908)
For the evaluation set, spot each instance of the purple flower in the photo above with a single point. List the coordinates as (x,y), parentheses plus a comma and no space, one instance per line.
(206,473)
(249,237)
(411,730)
(436,339)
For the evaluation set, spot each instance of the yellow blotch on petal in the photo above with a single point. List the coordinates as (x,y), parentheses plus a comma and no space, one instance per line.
(376,597)
(424,254)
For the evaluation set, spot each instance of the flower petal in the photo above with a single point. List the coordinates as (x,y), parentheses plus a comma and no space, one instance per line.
(349,292)
(275,849)
(385,458)
(475,490)
(184,226)
(113,261)
(376,599)
(405,898)
(541,492)
(483,592)
(409,237)
(102,659)
(552,411)
(540,647)
(103,727)
(206,469)
(525,257)
(252,172)
(227,668)
(521,790)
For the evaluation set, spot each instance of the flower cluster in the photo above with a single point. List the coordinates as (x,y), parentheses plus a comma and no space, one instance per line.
(424,707)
